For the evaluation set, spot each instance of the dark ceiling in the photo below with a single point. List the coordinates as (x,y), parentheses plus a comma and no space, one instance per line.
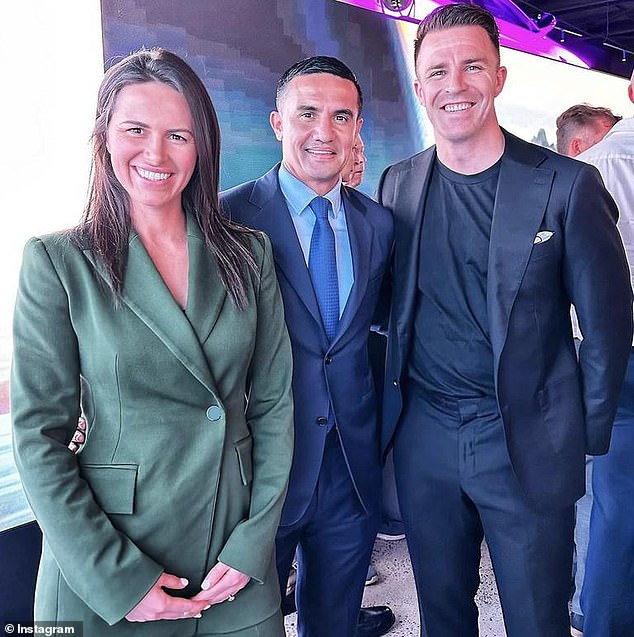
(598,22)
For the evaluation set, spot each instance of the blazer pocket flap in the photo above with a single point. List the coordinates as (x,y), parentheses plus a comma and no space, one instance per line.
(244,451)
(113,486)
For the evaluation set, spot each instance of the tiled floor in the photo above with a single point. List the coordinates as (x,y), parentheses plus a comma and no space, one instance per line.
(396,588)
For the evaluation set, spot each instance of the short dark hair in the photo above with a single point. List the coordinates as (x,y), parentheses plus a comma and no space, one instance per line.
(457,15)
(579,117)
(317,64)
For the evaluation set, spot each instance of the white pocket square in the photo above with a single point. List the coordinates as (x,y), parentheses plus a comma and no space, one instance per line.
(542,236)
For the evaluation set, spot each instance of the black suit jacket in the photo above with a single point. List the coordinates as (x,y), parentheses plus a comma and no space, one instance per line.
(555,408)
(338,373)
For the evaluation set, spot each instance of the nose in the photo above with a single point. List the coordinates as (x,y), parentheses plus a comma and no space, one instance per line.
(455,82)
(154,150)
(323,131)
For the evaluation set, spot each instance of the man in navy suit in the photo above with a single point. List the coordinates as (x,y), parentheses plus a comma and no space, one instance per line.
(488,410)
(331,513)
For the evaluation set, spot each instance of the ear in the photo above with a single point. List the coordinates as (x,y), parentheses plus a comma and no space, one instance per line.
(500,80)
(275,119)
(420,95)
(575,147)
(630,91)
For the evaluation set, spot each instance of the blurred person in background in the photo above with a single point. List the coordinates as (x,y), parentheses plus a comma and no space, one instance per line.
(607,591)
(582,126)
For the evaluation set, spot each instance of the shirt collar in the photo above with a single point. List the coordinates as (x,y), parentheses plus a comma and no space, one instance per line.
(625,124)
(298,195)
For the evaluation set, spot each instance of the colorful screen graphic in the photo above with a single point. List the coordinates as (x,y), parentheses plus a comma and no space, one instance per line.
(517,30)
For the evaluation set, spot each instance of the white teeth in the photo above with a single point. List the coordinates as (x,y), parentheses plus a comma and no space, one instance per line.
(146,174)
(452,108)
(320,152)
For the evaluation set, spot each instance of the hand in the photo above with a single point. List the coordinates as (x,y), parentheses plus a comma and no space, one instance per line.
(79,437)
(158,604)
(221,584)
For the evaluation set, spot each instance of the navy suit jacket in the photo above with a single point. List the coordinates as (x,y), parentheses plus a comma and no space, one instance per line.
(555,408)
(337,373)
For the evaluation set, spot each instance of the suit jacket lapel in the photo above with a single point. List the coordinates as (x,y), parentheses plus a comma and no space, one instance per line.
(207,294)
(516,221)
(146,294)
(409,194)
(275,220)
(360,234)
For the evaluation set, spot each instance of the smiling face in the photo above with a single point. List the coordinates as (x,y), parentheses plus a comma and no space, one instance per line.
(458,76)
(317,123)
(151,145)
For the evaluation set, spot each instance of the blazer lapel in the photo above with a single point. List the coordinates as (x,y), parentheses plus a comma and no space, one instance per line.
(410,192)
(146,294)
(275,220)
(207,294)
(360,234)
(516,221)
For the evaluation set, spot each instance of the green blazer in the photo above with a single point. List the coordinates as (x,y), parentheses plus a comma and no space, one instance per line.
(189,440)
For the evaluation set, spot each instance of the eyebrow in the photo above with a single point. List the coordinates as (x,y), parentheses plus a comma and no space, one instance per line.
(133,122)
(442,65)
(314,109)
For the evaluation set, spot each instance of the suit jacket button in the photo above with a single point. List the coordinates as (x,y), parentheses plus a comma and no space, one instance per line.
(395,383)
(214,413)
(321,421)
(328,360)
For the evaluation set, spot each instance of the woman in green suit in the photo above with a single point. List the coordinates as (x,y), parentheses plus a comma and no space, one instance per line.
(162,323)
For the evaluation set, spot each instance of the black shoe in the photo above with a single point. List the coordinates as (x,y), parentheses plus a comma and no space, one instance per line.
(374,621)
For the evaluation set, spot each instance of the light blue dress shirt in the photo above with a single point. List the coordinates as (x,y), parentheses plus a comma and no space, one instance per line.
(298,196)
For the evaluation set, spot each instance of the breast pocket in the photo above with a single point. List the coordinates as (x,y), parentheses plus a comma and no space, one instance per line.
(546,245)
(113,486)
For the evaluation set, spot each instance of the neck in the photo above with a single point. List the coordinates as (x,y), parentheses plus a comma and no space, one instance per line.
(164,228)
(472,156)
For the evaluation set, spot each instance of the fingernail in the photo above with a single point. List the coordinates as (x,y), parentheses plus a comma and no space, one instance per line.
(204,586)
(198,616)
(184,581)
(207,607)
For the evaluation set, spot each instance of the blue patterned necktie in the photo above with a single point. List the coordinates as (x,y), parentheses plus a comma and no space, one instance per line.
(322,263)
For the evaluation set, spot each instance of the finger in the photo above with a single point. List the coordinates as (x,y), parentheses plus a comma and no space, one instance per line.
(214,576)
(215,595)
(167,580)
(81,424)
(167,607)
(226,589)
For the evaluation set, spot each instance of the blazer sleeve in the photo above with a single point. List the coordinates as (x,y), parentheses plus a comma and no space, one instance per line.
(249,548)
(598,281)
(100,564)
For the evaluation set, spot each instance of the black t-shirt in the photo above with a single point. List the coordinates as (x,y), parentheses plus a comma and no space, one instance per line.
(451,351)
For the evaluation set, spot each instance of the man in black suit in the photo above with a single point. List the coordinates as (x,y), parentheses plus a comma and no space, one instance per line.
(331,512)
(488,410)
